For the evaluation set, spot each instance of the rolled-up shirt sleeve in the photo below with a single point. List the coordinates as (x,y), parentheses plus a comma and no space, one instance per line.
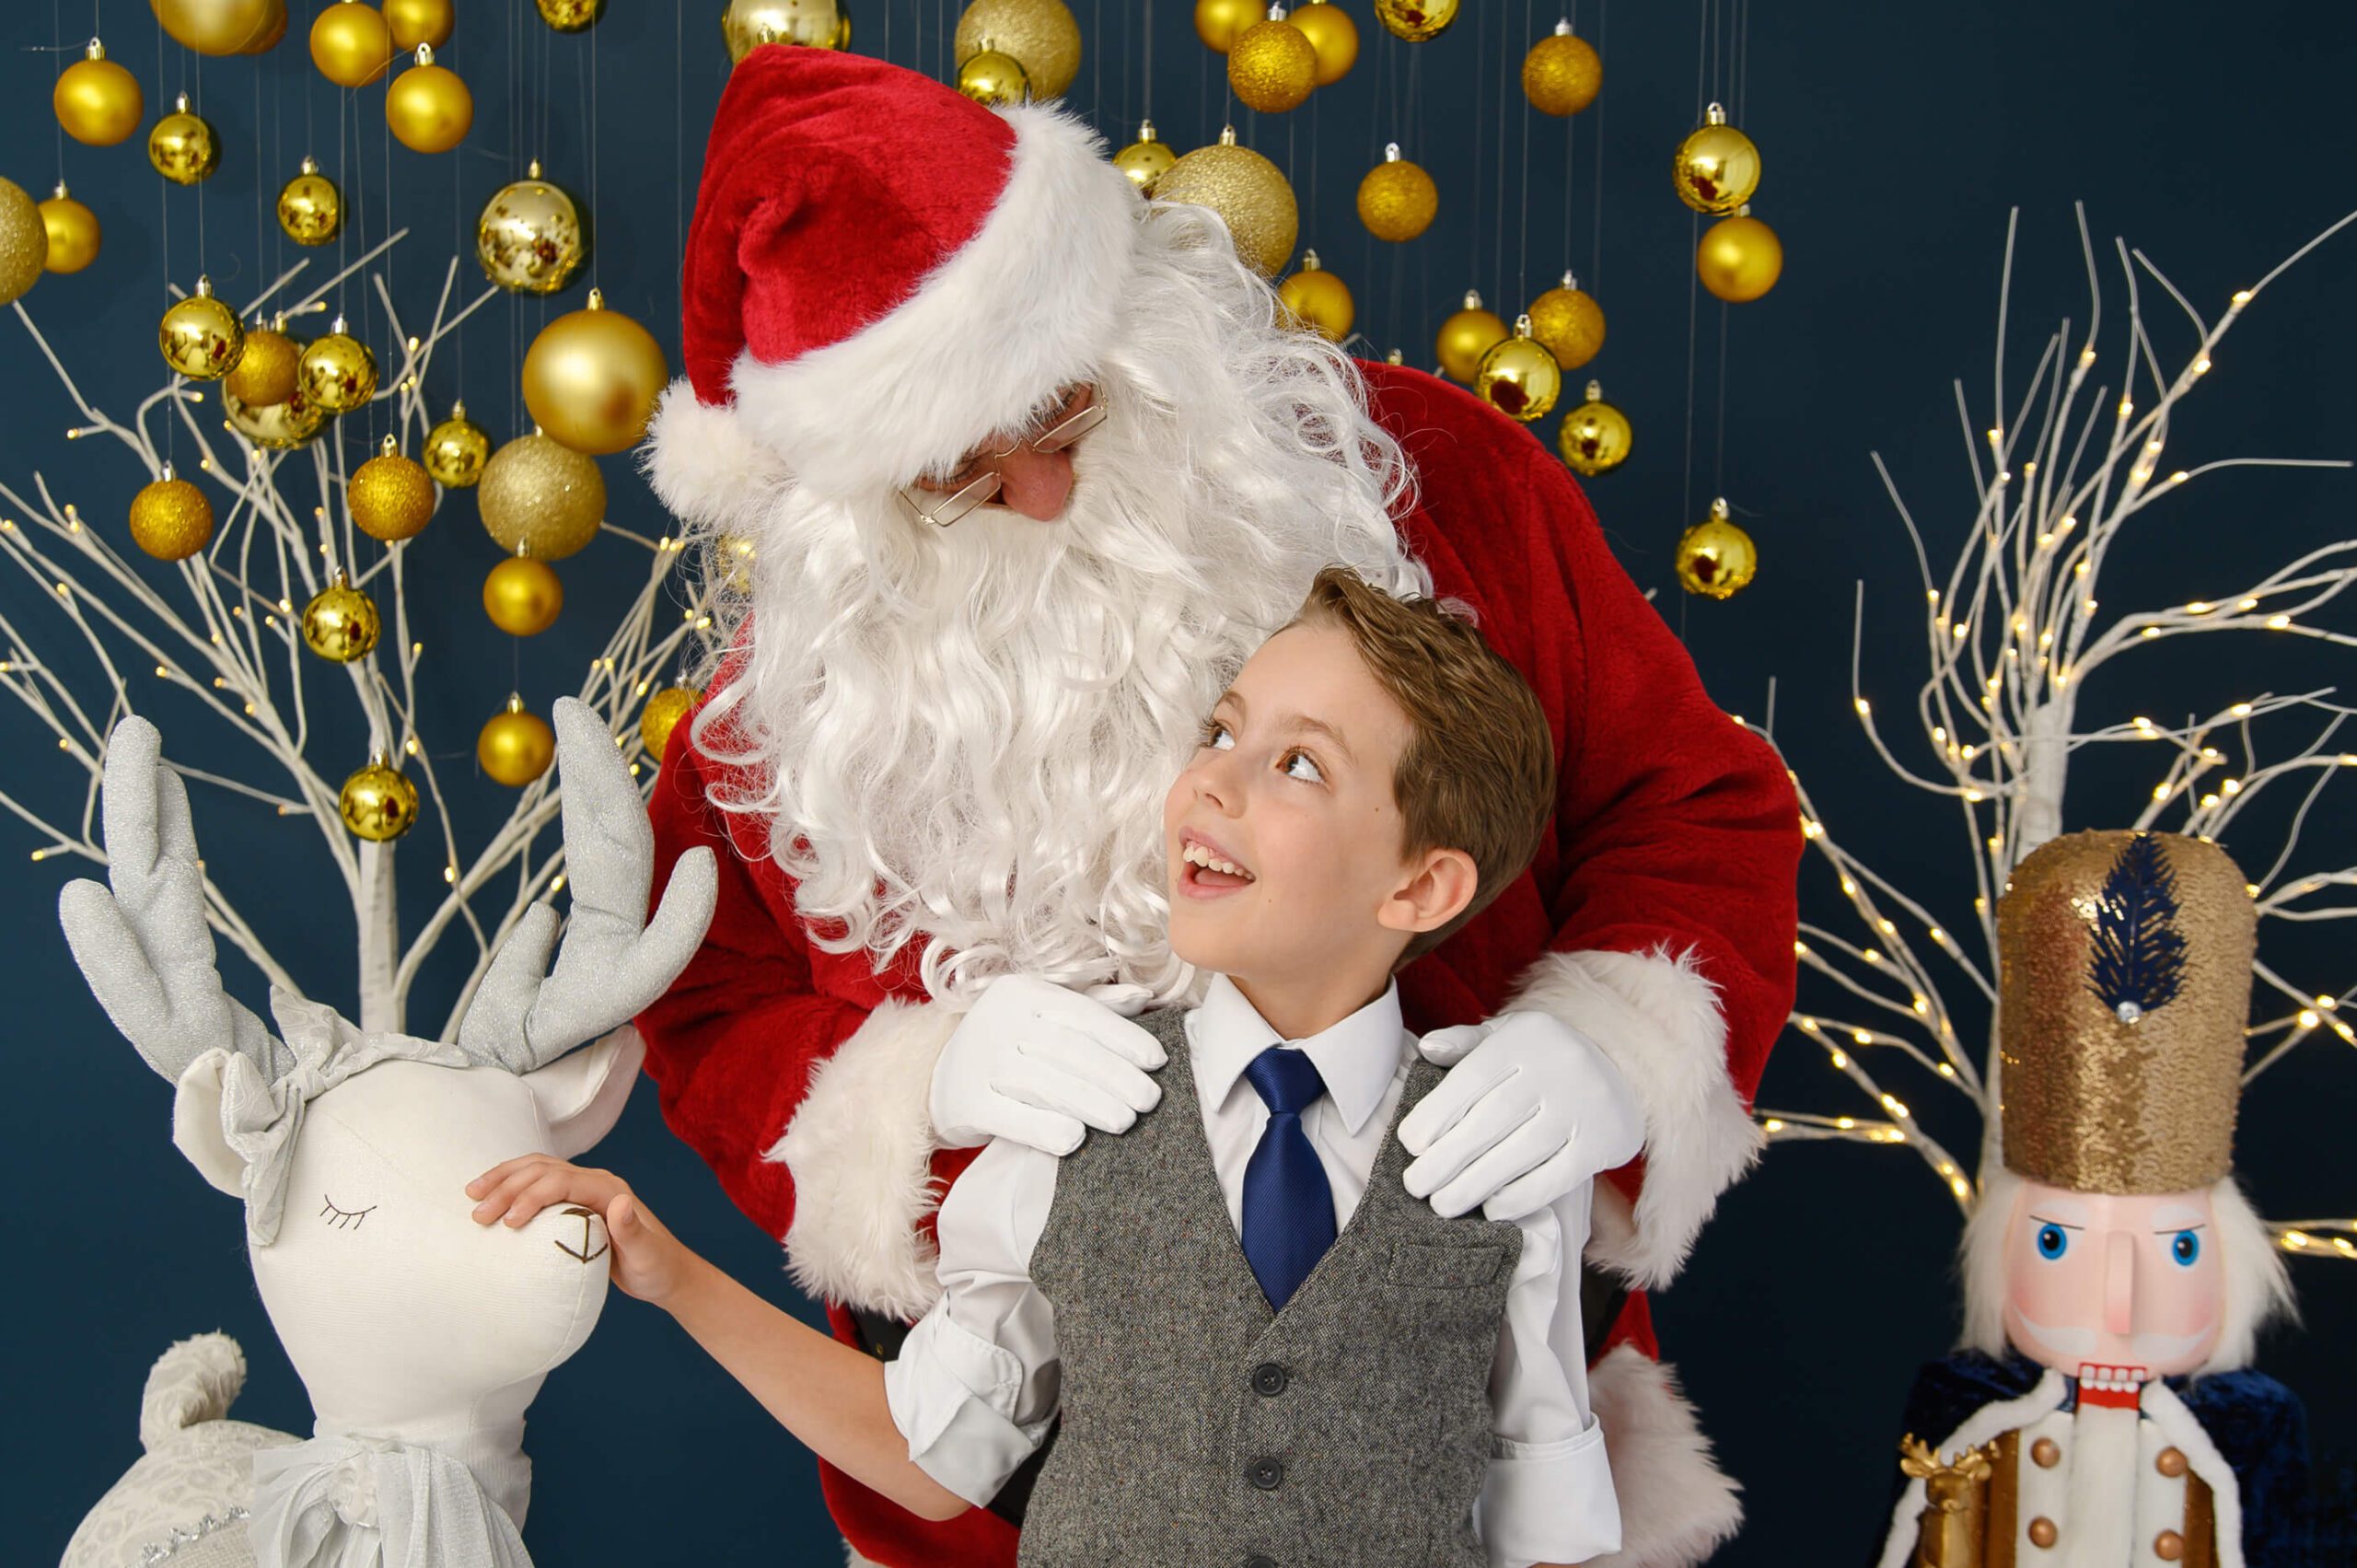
(974,1387)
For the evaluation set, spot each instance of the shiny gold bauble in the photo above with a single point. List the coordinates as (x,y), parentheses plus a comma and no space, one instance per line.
(543,497)
(171,518)
(428,109)
(1595,437)
(1219,23)
(268,371)
(1398,200)
(310,207)
(457,449)
(1569,323)
(72,232)
(97,100)
(1145,160)
(1562,73)
(1520,378)
(351,43)
(182,147)
(1040,35)
(1332,34)
(1739,259)
(572,16)
(592,377)
(429,22)
(1415,20)
(24,242)
(1716,168)
(516,746)
(662,715)
(1715,558)
(341,623)
(1271,66)
(200,336)
(529,239)
(390,497)
(279,427)
(810,24)
(272,32)
(1251,194)
(338,372)
(377,802)
(993,80)
(1319,300)
(1466,336)
(218,27)
(523,597)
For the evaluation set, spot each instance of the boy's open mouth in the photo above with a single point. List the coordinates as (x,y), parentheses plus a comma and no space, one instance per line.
(1209,868)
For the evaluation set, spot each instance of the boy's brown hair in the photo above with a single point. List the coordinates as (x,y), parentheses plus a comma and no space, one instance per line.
(1478,771)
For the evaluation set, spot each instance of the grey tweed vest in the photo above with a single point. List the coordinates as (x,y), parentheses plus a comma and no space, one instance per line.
(1201,1428)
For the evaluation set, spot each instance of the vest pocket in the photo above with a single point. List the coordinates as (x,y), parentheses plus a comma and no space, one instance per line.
(1420,1265)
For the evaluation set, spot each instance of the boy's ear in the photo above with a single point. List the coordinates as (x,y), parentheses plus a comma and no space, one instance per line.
(1439,884)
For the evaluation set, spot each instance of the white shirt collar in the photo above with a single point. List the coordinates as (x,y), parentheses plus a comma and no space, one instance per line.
(1357,1057)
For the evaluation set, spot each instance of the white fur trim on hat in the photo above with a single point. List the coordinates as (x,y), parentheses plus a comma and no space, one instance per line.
(1658,1020)
(1676,1505)
(704,466)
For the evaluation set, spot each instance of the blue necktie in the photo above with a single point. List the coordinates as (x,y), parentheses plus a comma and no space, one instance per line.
(1288,1206)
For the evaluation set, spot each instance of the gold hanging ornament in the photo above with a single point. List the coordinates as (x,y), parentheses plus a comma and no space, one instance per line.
(540,496)
(1739,258)
(1040,35)
(377,802)
(97,100)
(24,241)
(572,16)
(390,498)
(1416,20)
(200,336)
(1332,34)
(661,717)
(523,597)
(993,80)
(310,207)
(1145,160)
(1562,73)
(1466,336)
(171,518)
(341,623)
(1273,66)
(219,27)
(1715,558)
(1251,194)
(1595,437)
(1520,378)
(338,373)
(72,231)
(428,109)
(592,377)
(810,24)
(429,22)
(351,43)
(1569,323)
(516,746)
(1716,168)
(272,32)
(1219,23)
(529,239)
(457,449)
(1398,200)
(1319,300)
(278,427)
(182,145)
(270,368)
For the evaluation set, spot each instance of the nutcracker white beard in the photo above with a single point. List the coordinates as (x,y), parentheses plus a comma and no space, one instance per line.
(962,737)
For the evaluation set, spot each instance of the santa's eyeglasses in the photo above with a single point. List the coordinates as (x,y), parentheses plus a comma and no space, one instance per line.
(927,502)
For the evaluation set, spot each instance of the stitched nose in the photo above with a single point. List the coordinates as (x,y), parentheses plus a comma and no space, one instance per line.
(593,1242)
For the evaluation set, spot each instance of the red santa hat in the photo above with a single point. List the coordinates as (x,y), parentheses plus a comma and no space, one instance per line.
(880,274)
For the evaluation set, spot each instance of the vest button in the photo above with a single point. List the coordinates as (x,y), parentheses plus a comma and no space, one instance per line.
(2169,1462)
(2047,1452)
(1266,1474)
(2168,1546)
(2042,1532)
(1257,1561)
(1268,1379)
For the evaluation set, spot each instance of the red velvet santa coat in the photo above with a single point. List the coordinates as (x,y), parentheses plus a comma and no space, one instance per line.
(1658,918)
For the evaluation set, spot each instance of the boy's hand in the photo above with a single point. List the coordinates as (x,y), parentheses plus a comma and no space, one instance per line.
(649,1262)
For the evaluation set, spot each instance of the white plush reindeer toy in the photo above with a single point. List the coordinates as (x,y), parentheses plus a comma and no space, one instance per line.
(421,1335)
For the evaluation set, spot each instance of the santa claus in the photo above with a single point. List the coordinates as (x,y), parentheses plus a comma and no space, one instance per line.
(1009,471)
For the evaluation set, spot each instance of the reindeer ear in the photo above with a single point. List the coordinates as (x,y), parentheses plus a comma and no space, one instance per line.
(582,1093)
(196,1124)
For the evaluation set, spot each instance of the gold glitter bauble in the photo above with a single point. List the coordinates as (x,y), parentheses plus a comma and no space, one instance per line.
(200,336)
(413,22)
(1466,337)
(540,497)
(1332,34)
(182,147)
(97,100)
(1595,437)
(662,715)
(1739,259)
(457,449)
(1520,378)
(268,371)
(1716,168)
(1271,66)
(1415,20)
(529,239)
(810,24)
(171,518)
(1040,35)
(1219,23)
(24,242)
(572,16)
(351,43)
(1319,300)
(993,80)
(1569,323)
(1145,160)
(377,803)
(72,231)
(338,372)
(310,207)
(1715,558)
(516,746)
(1562,73)
(218,27)
(592,377)
(390,497)
(428,109)
(523,597)
(341,623)
(1398,200)
(278,427)
(1251,194)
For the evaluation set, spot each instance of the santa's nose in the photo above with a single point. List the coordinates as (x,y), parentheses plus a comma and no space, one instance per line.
(1035,484)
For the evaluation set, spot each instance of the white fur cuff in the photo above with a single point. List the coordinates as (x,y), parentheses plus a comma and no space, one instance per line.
(1676,1505)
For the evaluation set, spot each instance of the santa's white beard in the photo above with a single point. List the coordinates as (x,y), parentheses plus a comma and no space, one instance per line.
(963,737)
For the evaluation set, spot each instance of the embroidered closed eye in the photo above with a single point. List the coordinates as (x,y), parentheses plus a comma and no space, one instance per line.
(344,1219)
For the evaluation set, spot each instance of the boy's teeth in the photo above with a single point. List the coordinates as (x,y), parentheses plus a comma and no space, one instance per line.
(1196,854)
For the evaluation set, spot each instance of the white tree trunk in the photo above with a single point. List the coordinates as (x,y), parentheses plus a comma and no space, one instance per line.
(380,1008)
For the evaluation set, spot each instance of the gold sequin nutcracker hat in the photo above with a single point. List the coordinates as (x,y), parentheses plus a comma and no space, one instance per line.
(2125,986)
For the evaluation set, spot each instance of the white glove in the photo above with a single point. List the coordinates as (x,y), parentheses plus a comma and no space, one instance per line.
(1041,1065)
(1530,1109)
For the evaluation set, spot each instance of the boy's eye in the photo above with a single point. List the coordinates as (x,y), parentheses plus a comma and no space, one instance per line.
(1216,736)
(1300,765)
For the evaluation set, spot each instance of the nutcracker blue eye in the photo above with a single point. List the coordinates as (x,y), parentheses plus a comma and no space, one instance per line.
(2185,1247)
(2052,1241)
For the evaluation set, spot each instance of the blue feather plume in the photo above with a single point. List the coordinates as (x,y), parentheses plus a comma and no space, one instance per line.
(2138,955)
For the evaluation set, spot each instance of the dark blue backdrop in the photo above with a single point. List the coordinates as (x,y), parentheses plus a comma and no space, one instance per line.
(1895,138)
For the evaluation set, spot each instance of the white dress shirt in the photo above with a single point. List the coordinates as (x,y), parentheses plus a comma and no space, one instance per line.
(975,1387)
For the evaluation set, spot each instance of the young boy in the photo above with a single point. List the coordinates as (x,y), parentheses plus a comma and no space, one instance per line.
(1261,1350)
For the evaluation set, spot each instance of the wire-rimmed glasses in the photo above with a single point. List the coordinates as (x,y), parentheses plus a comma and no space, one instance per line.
(942,511)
